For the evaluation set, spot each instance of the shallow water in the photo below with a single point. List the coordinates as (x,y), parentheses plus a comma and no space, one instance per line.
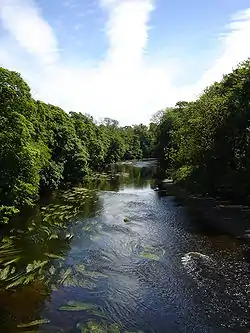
(120,257)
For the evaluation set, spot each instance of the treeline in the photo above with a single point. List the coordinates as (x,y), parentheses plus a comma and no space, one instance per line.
(205,144)
(43,147)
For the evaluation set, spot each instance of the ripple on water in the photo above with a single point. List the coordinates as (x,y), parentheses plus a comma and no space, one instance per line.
(199,266)
(223,289)
(130,273)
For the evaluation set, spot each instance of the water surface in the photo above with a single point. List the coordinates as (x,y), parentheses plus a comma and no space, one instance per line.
(120,257)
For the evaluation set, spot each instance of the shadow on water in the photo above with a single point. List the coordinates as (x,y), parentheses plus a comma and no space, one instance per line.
(116,256)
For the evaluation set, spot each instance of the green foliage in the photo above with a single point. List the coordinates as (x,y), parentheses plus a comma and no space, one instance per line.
(34,323)
(42,147)
(77,306)
(6,212)
(151,253)
(206,143)
(101,327)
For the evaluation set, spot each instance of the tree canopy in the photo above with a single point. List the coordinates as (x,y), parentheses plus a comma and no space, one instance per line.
(43,147)
(206,143)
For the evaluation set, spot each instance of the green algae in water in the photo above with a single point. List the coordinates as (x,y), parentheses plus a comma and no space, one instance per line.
(114,328)
(76,277)
(65,275)
(95,237)
(52,270)
(151,253)
(23,280)
(53,236)
(91,309)
(80,268)
(4,273)
(95,274)
(9,274)
(77,306)
(87,227)
(148,255)
(35,265)
(32,272)
(54,256)
(94,327)
(34,323)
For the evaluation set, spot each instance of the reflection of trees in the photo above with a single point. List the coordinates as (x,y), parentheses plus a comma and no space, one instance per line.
(32,257)
(32,261)
(22,305)
(25,253)
(125,174)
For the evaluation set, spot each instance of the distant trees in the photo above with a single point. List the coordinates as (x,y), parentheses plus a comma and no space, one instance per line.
(206,143)
(43,147)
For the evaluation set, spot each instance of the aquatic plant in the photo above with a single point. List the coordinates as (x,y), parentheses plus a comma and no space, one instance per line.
(34,323)
(149,255)
(93,326)
(151,252)
(77,306)
(90,308)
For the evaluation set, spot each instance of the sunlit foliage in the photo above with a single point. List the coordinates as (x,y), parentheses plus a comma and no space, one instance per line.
(206,143)
(43,147)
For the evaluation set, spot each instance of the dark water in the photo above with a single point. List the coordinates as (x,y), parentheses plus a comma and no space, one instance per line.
(120,257)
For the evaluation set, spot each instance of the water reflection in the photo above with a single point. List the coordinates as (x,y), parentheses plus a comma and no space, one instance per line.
(33,256)
(114,256)
(118,176)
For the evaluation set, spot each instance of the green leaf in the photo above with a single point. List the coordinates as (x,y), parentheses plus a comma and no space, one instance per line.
(148,255)
(54,256)
(4,273)
(34,323)
(17,282)
(80,268)
(95,274)
(77,306)
(53,236)
(52,270)
(35,265)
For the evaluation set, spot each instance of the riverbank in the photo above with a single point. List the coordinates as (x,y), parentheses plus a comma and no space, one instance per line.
(218,215)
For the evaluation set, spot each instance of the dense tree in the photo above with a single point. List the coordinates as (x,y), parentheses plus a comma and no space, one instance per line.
(21,155)
(206,143)
(43,147)
(92,137)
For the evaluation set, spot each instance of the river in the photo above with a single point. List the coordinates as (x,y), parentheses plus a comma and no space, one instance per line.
(118,256)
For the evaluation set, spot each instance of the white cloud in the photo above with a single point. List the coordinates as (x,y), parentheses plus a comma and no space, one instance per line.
(127,84)
(127,29)
(24,22)
(236,49)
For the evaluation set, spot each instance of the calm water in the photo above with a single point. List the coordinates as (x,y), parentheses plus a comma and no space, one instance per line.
(120,258)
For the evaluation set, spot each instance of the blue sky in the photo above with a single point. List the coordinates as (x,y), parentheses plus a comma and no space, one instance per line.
(124,59)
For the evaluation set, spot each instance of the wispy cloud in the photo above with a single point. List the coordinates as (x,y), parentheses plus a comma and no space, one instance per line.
(127,84)
(236,48)
(127,29)
(23,20)
(71,4)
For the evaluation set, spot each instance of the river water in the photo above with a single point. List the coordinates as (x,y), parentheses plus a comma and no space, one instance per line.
(120,257)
